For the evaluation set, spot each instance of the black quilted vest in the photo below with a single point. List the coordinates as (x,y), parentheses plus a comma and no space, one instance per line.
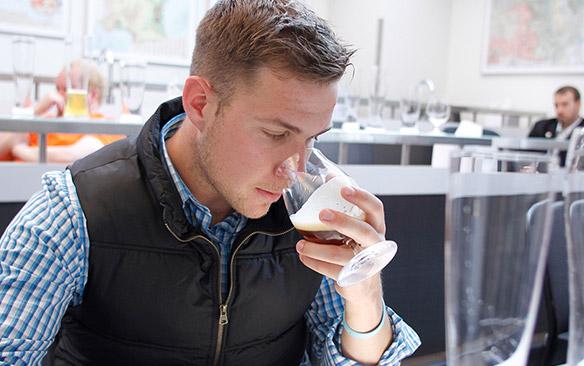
(153,293)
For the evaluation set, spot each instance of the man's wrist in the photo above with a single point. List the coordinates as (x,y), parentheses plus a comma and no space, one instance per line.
(364,316)
(369,333)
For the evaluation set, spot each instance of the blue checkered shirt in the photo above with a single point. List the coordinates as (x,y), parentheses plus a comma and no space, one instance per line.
(43,269)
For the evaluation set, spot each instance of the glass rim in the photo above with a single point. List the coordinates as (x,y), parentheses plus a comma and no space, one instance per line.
(474,152)
(23,38)
(310,151)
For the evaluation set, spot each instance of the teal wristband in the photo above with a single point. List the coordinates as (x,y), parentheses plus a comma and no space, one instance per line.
(365,335)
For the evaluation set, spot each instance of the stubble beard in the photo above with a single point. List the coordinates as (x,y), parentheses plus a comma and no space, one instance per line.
(215,178)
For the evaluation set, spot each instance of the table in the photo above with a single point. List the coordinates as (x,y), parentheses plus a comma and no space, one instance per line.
(44,126)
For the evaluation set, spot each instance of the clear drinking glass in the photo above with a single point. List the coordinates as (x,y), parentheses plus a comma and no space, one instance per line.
(410,109)
(497,233)
(354,93)
(133,85)
(438,113)
(574,219)
(76,101)
(314,185)
(376,96)
(23,56)
(376,104)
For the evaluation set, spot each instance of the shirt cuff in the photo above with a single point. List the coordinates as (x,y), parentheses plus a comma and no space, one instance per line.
(405,342)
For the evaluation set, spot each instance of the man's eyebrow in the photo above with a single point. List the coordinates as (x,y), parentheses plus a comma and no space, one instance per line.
(290,127)
(282,124)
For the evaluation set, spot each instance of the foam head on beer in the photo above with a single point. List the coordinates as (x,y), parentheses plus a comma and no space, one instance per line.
(326,196)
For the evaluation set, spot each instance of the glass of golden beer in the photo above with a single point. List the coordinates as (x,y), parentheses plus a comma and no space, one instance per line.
(314,184)
(76,103)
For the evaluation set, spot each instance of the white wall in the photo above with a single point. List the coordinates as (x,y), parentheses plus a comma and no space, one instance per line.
(467,86)
(416,39)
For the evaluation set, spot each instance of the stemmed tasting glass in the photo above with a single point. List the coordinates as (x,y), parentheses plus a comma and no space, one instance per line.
(314,184)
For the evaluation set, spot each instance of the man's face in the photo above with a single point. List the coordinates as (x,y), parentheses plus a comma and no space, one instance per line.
(264,123)
(567,108)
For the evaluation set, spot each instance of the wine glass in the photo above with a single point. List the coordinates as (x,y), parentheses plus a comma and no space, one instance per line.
(314,184)
(497,233)
(410,109)
(133,85)
(438,113)
(574,220)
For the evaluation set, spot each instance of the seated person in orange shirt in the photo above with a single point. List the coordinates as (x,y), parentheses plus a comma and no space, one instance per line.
(61,147)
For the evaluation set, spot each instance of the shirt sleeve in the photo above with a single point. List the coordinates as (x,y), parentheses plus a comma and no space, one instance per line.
(43,261)
(324,318)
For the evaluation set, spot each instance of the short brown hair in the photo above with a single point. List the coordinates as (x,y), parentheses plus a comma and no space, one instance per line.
(236,37)
(569,89)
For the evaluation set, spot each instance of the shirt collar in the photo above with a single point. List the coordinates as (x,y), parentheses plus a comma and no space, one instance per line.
(198,214)
(563,133)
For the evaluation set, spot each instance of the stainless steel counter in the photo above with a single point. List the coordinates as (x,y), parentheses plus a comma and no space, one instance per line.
(396,137)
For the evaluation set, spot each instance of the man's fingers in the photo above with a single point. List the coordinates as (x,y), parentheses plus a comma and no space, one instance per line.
(371,205)
(330,253)
(360,231)
(327,269)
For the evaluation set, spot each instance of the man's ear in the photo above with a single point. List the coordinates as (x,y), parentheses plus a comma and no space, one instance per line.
(197,94)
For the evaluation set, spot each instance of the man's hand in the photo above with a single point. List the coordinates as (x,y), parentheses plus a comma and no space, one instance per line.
(363,300)
(329,259)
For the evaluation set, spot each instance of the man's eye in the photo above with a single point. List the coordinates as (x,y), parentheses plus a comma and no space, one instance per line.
(277,136)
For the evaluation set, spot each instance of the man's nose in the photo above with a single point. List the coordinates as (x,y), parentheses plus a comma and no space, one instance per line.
(290,164)
(295,162)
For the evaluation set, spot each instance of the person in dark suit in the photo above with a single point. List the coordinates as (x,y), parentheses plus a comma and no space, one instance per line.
(567,105)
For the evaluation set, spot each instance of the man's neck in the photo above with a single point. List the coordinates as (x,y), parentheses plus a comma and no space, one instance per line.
(181,151)
(568,124)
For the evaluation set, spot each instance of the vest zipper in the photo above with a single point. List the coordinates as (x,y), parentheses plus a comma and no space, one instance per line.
(223,317)
(223,320)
